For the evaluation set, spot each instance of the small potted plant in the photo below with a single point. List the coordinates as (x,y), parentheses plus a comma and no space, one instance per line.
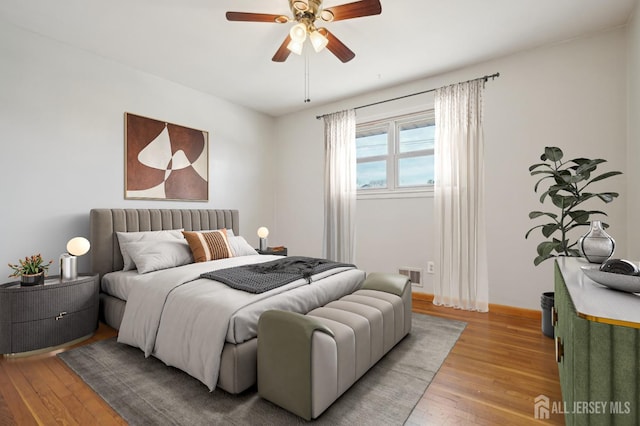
(31,270)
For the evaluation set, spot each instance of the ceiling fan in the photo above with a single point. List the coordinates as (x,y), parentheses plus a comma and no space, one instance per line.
(305,14)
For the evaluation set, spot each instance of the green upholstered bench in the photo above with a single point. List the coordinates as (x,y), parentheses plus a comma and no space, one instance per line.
(305,362)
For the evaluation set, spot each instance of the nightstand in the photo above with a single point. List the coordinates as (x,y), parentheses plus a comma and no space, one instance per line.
(279,251)
(42,316)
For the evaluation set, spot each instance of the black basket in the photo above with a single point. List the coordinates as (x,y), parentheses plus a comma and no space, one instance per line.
(546,303)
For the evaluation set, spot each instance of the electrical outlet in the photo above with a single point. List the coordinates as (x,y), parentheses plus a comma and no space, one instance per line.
(431,268)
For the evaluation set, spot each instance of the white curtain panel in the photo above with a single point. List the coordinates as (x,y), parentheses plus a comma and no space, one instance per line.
(461,279)
(340,186)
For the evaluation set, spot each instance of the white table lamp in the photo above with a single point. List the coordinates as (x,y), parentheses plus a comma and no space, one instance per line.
(77,246)
(263,232)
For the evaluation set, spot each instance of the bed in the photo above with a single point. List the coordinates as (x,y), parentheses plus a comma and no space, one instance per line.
(175,303)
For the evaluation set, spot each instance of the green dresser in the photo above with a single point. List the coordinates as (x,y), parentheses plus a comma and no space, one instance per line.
(597,332)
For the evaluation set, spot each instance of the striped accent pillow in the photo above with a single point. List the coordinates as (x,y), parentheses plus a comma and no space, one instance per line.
(210,245)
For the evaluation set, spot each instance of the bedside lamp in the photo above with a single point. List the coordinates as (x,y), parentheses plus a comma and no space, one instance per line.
(77,246)
(263,232)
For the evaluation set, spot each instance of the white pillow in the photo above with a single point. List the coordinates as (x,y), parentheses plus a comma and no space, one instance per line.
(240,246)
(130,237)
(151,256)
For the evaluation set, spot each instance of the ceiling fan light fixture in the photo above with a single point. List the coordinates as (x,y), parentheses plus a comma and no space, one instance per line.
(318,40)
(301,6)
(326,15)
(295,46)
(298,32)
(282,19)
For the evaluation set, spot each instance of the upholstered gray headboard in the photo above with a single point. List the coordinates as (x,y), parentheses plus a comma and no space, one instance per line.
(104,223)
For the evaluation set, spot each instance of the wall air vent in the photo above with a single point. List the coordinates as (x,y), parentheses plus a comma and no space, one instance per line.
(414,274)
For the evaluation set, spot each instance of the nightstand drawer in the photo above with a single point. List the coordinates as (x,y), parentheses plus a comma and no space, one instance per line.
(28,336)
(50,301)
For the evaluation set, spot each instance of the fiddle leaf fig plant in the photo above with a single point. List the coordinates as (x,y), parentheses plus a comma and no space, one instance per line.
(565,184)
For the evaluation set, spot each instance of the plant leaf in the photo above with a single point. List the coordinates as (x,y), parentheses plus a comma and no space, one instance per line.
(607,197)
(543,172)
(535,187)
(549,229)
(545,248)
(552,192)
(553,153)
(539,259)
(586,168)
(580,161)
(582,216)
(573,178)
(536,214)
(529,231)
(604,176)
(562,201)
(535,166)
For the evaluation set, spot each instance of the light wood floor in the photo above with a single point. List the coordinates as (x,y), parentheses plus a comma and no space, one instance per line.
(497,368)
(491,377)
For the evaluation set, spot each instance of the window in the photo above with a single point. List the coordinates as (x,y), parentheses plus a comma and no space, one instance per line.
(396,154)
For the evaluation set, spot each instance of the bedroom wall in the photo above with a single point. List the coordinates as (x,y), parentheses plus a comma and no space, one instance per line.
(61,121)
(571,95)
(633,115)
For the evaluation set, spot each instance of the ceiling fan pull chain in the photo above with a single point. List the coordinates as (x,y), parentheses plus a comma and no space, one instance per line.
(306,77)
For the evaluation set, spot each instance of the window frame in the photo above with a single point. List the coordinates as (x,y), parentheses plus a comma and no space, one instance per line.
(392,126)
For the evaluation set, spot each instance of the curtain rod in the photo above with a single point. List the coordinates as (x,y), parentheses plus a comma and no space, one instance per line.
(485,78)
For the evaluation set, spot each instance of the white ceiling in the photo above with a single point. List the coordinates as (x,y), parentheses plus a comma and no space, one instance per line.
(190,41)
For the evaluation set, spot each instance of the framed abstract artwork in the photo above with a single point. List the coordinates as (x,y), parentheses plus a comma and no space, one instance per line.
(164,161)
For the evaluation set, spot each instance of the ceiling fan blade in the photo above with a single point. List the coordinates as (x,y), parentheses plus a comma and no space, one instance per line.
(355,10)
(282,53)
(255,17)
(337,47)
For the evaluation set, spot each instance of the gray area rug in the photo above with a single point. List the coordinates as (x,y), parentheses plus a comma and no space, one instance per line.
(147,392)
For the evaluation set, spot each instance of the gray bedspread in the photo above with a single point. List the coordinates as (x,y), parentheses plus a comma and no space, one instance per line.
(270,275)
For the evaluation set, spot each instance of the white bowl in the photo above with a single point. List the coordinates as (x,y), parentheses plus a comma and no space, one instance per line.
(628,283)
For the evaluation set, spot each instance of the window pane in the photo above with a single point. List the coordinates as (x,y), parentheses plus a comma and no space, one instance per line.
(417,136)
(371,174)
(416,171)
(371,143)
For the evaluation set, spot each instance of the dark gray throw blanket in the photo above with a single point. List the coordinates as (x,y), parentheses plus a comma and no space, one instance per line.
(262,277)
